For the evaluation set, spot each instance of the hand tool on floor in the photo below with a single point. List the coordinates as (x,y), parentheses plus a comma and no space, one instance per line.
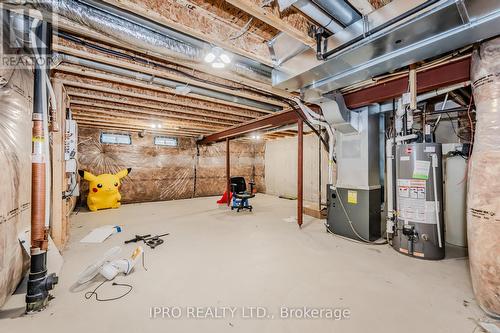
(137,238)
(151,241)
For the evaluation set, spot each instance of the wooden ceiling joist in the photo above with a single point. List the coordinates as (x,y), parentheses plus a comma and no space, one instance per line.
(113,61)
(113,88)
(127,124)
(82,72)
(292,23)
(192,20)
(77,96)
(84,32)
(118,128)
(98,106)
(152,119)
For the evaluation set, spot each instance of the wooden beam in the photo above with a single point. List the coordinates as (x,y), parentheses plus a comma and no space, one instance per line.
(141,84)
(113,61)
(58,172)
(143,110)
(108,127)
(82,31)
(133,115)
(118,125)
(271,16)
(157,106)
(199,23)
(181,103)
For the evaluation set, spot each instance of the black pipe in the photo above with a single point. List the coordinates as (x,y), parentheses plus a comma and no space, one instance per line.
(39,283)
(412,11)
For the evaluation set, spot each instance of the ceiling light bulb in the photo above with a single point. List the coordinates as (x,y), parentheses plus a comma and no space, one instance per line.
(225,58)
(218,64)
(159,125)
(210,57)
(153,126)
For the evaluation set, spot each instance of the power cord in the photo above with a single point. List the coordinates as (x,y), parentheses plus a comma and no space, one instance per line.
(362,239)
(89,294)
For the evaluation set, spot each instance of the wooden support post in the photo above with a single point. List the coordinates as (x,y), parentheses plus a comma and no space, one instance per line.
(300,167)
(228,173)
(58,175)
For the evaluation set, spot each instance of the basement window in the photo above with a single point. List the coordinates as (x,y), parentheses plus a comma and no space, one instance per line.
(166,141)
(116,139)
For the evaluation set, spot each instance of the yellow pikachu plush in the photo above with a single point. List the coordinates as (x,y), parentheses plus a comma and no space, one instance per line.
(103,189)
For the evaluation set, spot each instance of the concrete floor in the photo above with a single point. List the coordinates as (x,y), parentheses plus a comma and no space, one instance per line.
(217,258)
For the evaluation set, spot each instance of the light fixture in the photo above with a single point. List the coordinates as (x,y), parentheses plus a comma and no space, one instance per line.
(153,125)
(217,57)
(159,125)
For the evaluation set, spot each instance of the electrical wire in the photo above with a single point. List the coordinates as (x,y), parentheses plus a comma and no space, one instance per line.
(363,240)
(89,294)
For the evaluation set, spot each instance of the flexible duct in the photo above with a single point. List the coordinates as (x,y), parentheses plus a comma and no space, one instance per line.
(483,204)
(125,28)
(315,119)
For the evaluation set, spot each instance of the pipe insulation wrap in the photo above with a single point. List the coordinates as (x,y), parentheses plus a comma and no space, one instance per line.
(141,36)
(483,202)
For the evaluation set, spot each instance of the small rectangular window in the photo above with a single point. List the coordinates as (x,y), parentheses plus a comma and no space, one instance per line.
(114,138)
(166,141)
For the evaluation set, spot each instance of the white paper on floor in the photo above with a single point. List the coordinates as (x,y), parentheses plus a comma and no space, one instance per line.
(291,219)
(99,235)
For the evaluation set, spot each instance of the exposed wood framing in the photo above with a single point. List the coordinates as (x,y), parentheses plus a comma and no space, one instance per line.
(82,72)
(82,31)
(187,18)
(151,98)
(84,104)
(185,112)
(291,22)
(113,61)
(119,128)
(152,119)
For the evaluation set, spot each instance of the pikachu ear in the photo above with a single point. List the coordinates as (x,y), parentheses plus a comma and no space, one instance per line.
(123,173)
(87,175)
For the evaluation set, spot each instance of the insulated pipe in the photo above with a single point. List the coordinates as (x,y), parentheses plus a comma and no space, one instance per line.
(166,82)
(390,186)
(483,199)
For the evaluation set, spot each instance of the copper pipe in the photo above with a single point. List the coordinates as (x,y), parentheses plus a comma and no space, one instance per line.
(38,233)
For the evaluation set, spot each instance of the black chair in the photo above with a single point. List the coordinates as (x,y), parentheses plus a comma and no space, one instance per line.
(240,194)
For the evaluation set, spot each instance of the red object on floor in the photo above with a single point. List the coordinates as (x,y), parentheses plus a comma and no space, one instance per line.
(224,198)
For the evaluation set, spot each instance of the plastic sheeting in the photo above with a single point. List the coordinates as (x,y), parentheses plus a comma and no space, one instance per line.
(16,95)
(167,173)
(483,207)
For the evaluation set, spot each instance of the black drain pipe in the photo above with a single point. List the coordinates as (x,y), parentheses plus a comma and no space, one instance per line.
(39,283)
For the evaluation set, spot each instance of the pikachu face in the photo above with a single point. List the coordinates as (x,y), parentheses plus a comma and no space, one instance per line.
(104,184)
(103,189)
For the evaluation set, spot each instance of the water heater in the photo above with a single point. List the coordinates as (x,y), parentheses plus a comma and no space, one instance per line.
(419,224)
